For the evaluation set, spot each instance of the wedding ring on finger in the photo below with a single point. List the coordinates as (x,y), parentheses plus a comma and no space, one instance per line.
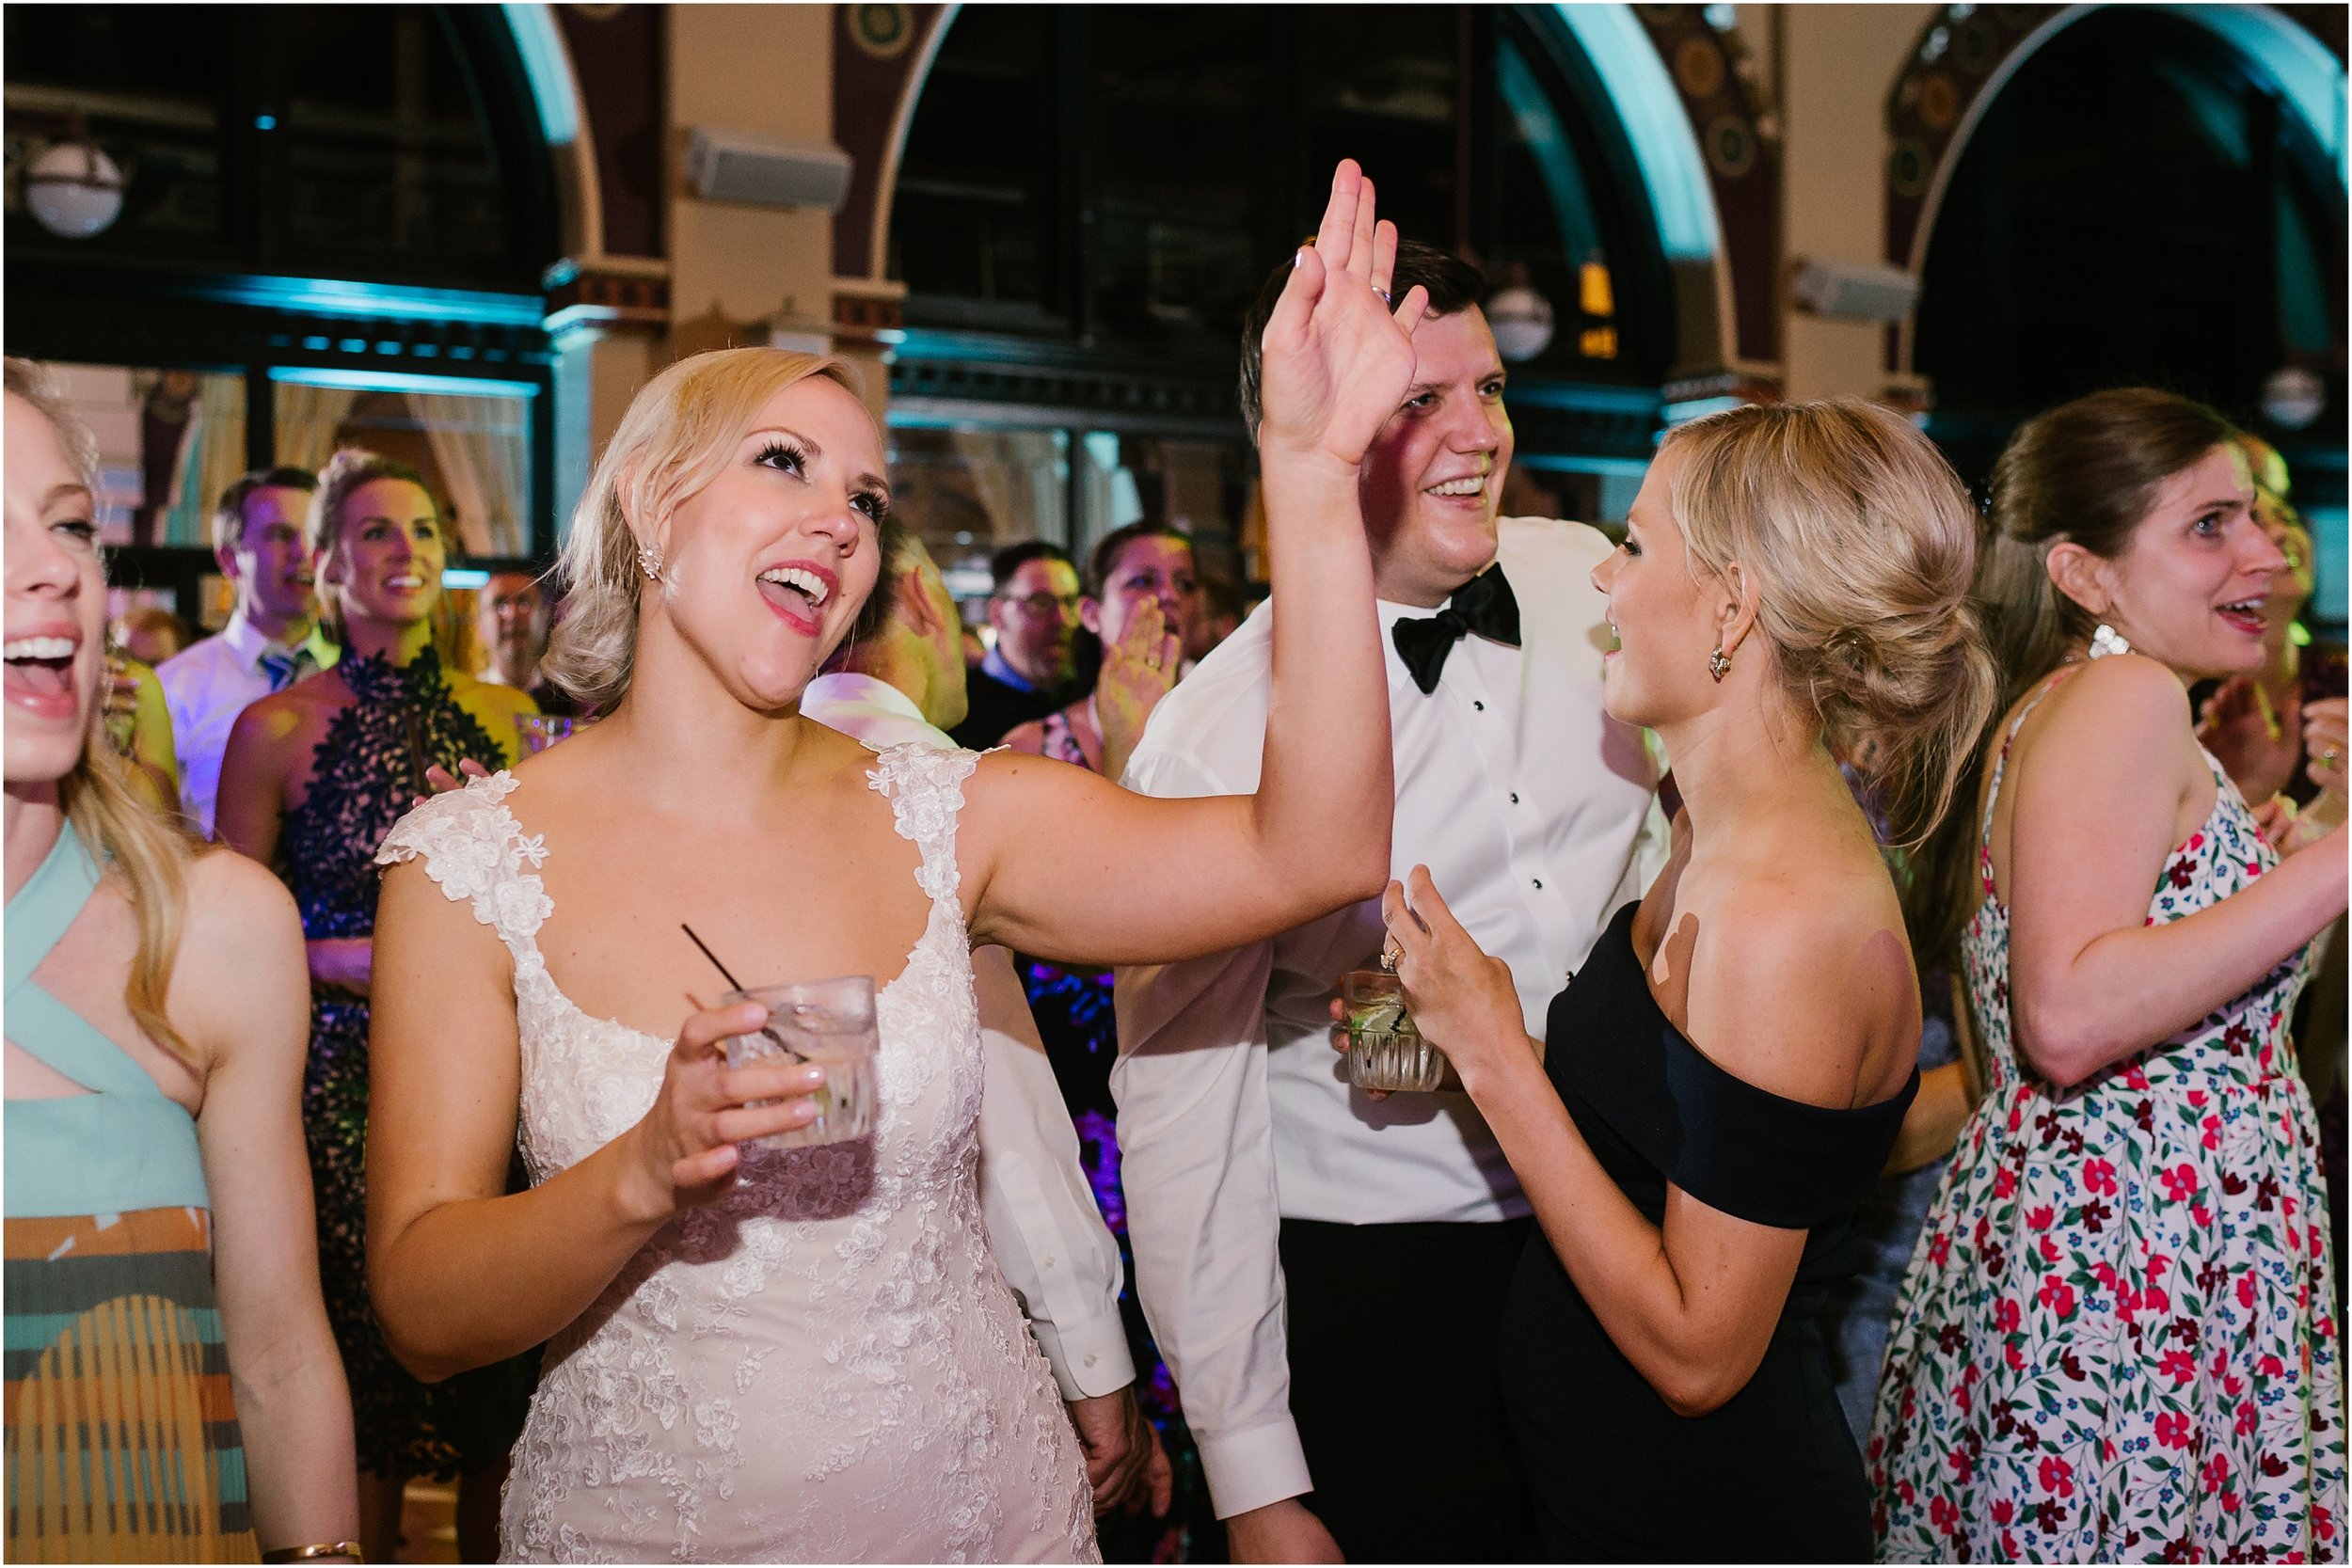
(2330,758)
(1382,292)
(1391,956)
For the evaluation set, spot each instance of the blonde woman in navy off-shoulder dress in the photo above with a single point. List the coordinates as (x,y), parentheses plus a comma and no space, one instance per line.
(2117,1339)
(1727,1071)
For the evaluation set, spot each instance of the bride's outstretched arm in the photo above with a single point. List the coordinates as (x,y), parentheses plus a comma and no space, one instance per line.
(462,1274)
(1068,864)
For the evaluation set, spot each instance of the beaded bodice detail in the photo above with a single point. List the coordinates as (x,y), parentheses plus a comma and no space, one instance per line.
(824,1365)
(369,770)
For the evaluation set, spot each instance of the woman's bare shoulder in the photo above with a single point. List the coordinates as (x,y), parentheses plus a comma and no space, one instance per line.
(234,902)
(240,976)
(1796,973)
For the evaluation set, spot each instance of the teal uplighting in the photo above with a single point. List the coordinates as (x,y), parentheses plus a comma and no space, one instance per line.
(1645,98)
(2305,71)
(548,68)
(333,296)
(401,381)
(464,577)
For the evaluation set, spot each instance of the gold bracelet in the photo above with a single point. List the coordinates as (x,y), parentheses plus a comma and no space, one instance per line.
(314,1551)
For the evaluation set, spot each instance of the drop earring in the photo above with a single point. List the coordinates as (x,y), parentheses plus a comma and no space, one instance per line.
(1719,663)
(2106,641)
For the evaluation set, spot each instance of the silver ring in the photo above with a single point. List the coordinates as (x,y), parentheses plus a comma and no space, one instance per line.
(1382,292)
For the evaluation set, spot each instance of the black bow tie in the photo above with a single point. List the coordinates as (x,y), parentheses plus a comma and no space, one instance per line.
(1485,605)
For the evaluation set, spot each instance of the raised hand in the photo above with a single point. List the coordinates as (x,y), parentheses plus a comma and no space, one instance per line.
(1337,360)
(1138,672)
(2256,747)
(686,1144)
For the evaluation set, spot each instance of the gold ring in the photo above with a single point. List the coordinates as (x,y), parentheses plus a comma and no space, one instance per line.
(2330,756)
(1391,956)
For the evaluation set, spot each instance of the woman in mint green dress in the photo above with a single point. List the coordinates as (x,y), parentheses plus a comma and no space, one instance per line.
(156,1412)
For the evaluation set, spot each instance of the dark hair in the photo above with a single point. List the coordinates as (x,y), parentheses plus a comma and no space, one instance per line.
(1452,283)
(1004,562)
(229,514)
(2086,472)
(1104,559)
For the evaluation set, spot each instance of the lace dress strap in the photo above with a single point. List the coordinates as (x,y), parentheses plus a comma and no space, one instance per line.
(473,849)
(925,787)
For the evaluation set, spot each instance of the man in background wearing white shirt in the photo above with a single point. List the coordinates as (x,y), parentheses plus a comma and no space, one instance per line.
(1326,1273)
(269,642)
(905,683)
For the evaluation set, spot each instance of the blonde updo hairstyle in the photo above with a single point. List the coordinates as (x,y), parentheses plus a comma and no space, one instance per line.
(150,851)
(1862,544)
(679,433)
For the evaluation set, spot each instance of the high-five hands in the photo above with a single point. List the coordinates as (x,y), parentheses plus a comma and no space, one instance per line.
(1338,355)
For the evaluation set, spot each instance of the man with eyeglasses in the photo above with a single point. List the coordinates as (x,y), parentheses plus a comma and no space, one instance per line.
(1029,672)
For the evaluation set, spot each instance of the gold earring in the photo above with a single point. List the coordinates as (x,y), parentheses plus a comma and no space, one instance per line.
(1719,663)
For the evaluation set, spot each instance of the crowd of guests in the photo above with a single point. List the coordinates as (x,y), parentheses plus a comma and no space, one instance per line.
(1868,935)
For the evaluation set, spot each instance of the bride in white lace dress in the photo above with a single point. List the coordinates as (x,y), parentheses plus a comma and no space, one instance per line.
(810,1354)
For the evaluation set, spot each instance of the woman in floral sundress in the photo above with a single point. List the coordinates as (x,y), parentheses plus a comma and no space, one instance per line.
(2116,1341)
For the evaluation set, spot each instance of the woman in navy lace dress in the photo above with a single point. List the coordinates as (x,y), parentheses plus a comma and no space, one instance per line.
(313,778)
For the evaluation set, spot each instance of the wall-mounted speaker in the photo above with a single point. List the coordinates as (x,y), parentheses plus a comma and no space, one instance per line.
(1851,291)
(765,171)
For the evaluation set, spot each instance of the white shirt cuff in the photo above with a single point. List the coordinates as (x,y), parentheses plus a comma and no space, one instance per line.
(1089,1357)
(1249,1469)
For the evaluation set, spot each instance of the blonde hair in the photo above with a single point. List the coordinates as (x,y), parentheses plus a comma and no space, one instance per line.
(112,821)
(679,434)
(1862,544)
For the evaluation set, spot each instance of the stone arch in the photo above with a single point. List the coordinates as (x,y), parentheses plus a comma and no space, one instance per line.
(562,118)
(1967,54)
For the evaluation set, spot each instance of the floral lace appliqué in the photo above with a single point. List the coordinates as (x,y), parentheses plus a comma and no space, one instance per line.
(826,1365)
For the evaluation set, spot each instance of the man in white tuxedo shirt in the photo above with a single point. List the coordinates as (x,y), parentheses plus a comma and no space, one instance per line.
(1324,1273)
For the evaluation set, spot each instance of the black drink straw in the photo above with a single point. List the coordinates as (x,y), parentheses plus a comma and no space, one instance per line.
(735,984)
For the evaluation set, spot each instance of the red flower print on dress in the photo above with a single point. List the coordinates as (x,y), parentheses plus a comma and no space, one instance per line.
(2205,1413)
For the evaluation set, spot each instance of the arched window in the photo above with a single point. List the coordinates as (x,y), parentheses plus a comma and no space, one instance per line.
(2142,203)
(2138,204)
(1090,196)
(333,224)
